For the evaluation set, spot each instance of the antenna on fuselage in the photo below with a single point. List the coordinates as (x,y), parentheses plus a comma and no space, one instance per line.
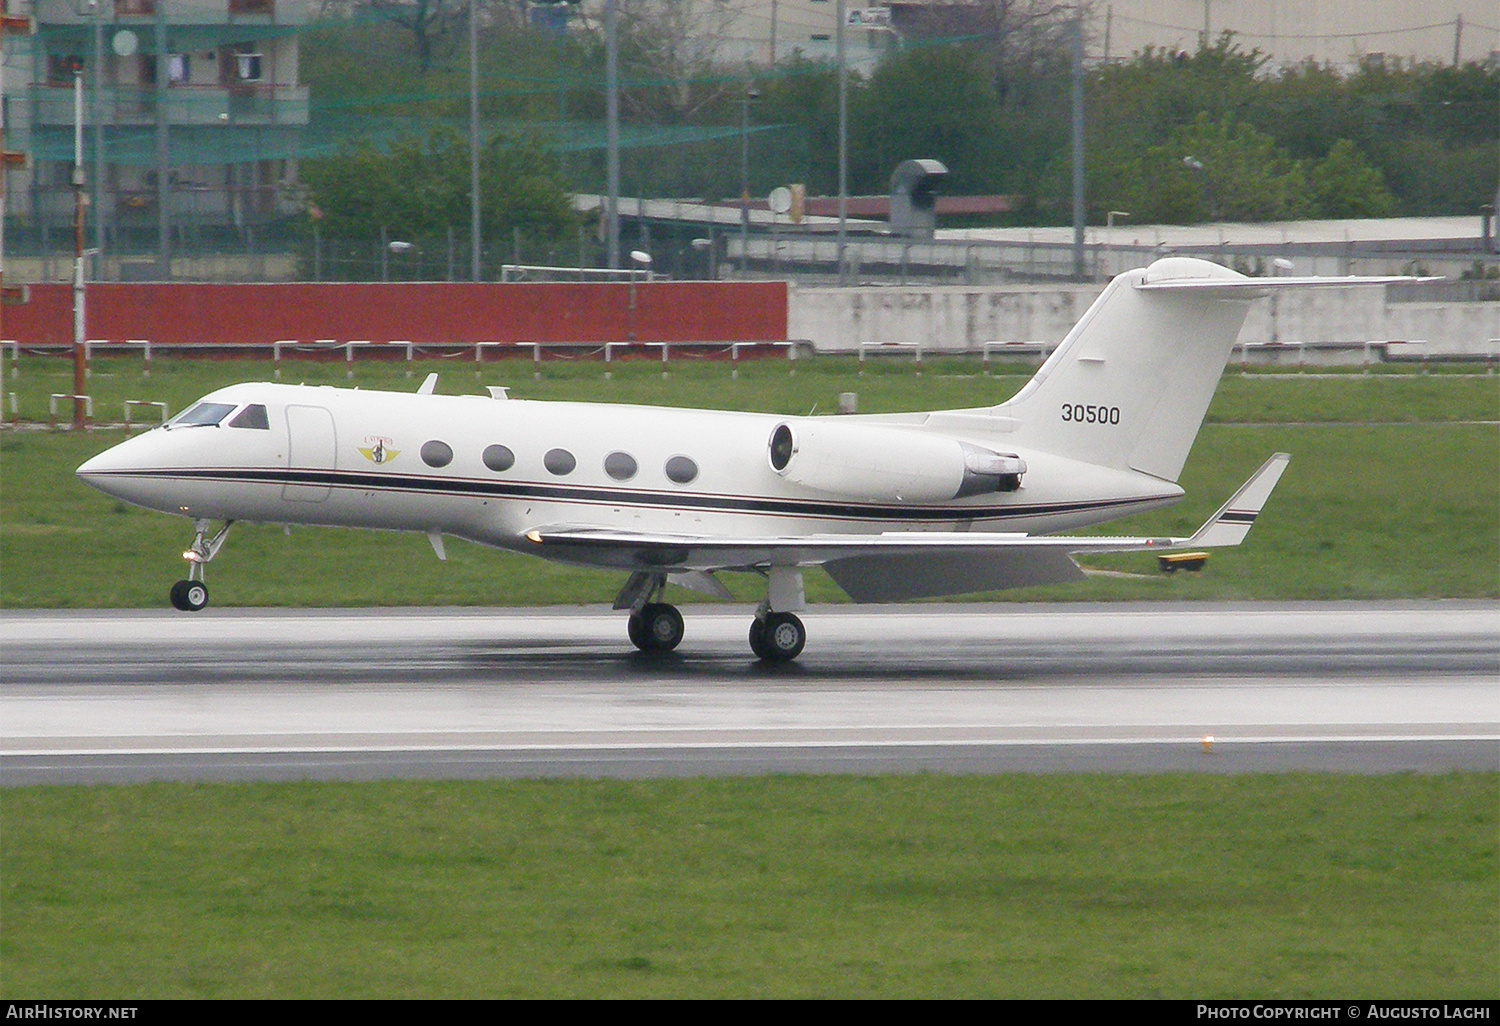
(429,384)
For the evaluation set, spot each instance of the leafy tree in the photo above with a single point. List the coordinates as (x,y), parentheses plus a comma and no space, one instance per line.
(1344,184)
(935,102)
(419,188)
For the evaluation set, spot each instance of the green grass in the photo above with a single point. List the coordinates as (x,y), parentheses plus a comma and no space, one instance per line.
(1013,886)
(768,385)
(1393,491)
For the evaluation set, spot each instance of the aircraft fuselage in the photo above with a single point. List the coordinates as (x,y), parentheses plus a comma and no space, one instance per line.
(488,470)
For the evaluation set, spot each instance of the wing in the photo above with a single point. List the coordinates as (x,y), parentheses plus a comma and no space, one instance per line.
(901,565)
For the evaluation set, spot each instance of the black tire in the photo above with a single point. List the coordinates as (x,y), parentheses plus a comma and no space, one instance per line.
(758,639)
(189,596)
(636,631)
(661,627)
(782,638)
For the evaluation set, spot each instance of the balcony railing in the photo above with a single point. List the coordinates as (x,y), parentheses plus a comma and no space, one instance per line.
(242,103)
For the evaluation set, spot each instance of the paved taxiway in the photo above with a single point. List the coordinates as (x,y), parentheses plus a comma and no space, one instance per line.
(353,694)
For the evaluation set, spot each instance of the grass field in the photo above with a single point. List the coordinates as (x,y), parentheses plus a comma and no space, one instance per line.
(1393,490)
(923,886)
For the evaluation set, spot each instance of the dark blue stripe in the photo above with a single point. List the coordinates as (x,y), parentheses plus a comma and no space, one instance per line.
(416,484)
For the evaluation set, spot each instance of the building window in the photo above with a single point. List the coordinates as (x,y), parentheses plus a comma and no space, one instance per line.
(681,469)
(437,454)
(498,458)
(559,462)
(620,465)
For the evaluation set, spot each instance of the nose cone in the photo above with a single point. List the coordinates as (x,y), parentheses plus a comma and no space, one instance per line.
(114,471)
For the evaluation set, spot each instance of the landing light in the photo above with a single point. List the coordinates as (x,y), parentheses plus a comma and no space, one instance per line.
(192,557)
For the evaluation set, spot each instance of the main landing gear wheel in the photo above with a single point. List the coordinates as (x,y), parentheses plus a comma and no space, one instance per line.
(778,638)
(656,628)
(189,596)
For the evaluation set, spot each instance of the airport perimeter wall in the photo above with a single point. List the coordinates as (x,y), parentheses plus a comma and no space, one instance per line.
(964,318)
(940,318)
(421,313)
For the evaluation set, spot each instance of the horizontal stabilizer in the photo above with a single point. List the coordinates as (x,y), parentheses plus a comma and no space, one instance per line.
(1253,288)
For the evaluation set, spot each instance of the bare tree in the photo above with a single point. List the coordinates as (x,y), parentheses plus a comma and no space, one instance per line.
(1019,39)
(679,56)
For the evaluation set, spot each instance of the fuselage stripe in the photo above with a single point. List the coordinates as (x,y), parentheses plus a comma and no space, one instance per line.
(695,501)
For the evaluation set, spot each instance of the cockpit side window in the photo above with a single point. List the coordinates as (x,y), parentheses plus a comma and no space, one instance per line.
(203,415)
(252,416)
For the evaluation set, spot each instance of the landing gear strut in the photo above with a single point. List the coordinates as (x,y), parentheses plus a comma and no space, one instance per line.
(776,634)
(191,595)
(653,626)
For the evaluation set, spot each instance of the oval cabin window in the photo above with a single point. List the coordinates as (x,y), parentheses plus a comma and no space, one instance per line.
(559,462)
(437,454)
(498,457)
(620,465)
(681,469)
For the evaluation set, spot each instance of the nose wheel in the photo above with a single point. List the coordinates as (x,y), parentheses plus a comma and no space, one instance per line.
(191,595)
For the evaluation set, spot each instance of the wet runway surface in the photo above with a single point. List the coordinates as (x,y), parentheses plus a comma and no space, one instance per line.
(361,694)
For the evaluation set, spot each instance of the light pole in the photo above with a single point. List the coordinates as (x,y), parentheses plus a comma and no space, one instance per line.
(474,266)
(1194,164)
(611,137)
(79,371)
(843,139)
(1109,227)
(750,94)
(638,258)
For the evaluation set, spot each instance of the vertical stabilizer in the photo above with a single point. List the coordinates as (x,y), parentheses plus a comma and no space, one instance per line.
(1130,384)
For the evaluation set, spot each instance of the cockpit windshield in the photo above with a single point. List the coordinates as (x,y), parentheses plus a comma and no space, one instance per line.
(252,416)
(202,415)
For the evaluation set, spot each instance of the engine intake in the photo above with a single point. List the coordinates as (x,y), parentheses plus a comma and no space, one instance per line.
(877,463)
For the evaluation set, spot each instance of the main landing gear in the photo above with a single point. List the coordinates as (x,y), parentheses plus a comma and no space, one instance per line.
(776,633)
(191,595)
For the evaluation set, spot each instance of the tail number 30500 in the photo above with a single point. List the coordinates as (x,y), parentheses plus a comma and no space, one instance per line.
(1080,414)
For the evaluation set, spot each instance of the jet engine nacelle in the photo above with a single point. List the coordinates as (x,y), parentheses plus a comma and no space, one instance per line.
(874,463)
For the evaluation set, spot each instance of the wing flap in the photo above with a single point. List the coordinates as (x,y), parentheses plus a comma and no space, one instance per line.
(899,565)
(897,578)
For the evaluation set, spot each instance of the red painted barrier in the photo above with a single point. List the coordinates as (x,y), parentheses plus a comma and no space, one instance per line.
(424,313)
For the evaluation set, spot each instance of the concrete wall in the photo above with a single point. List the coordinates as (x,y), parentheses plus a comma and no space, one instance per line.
(958,318)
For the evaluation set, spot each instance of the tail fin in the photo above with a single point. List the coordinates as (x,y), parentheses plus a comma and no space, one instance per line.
(1130,384)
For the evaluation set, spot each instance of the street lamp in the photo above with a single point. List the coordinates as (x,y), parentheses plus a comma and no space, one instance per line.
(638,258)
(1109,228)
(1194,164)
(750,94)
(708,246)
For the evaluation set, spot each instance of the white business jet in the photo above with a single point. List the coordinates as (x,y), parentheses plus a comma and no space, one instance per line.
(893,507)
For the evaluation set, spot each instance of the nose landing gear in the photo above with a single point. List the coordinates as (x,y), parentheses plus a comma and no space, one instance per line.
(191,595)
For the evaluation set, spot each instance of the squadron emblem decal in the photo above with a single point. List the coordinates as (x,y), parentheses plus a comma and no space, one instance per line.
(378,449)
